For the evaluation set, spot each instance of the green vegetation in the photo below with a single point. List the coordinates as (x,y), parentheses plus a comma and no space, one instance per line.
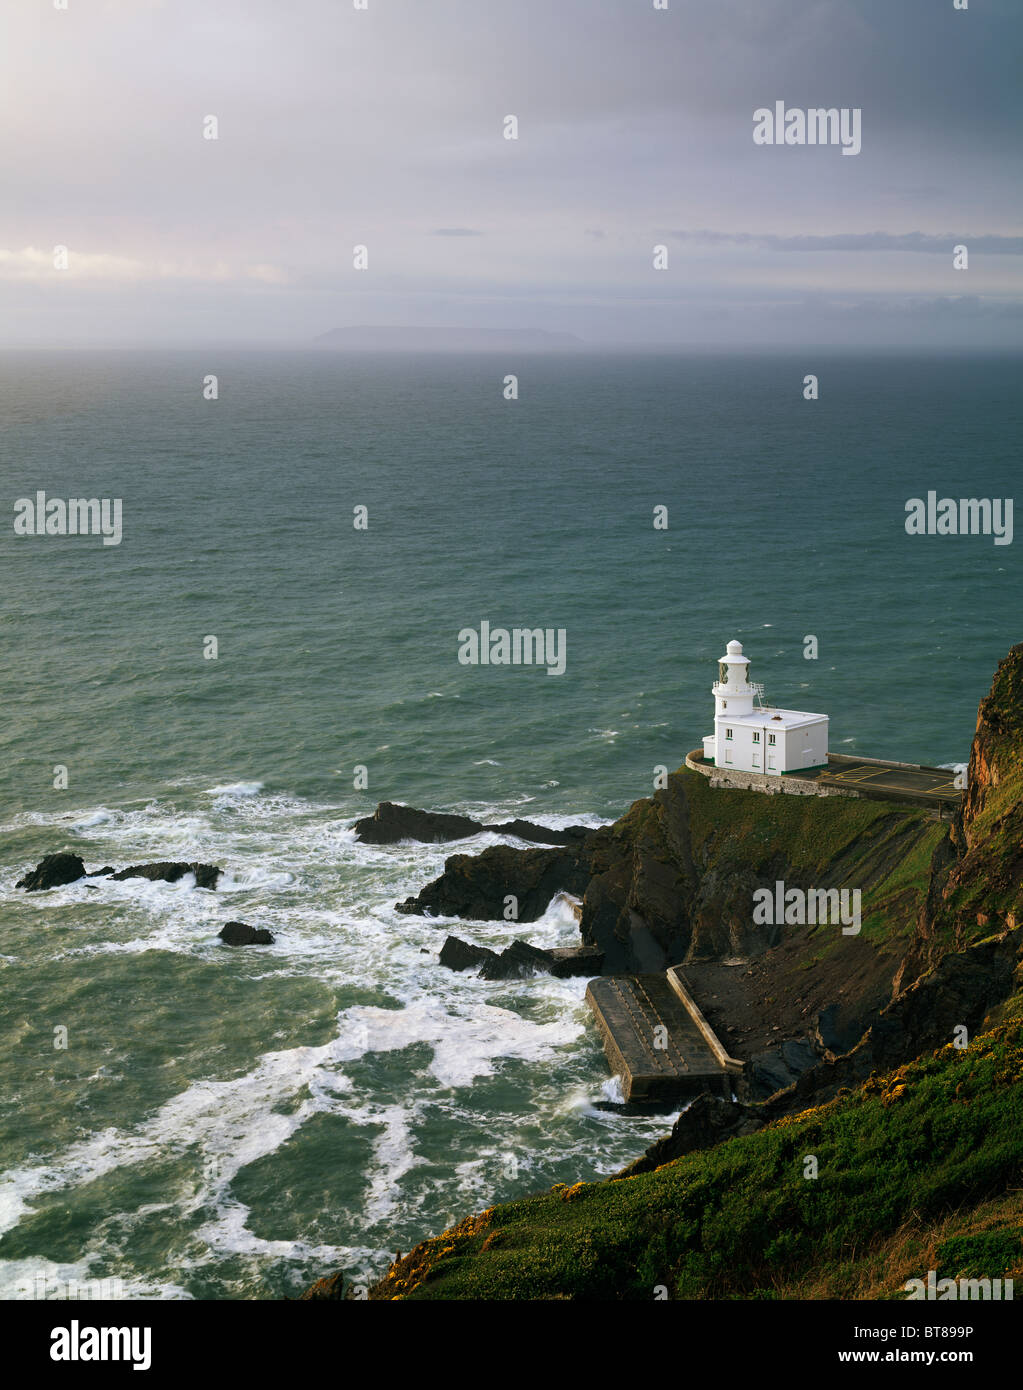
(883,849)
(907,1155)
(984,1256)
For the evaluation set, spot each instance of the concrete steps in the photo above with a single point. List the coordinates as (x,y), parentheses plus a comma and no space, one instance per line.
(656,1040)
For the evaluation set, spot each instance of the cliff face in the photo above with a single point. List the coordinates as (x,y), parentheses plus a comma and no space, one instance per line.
(983,887)
(673,880)
(682,868)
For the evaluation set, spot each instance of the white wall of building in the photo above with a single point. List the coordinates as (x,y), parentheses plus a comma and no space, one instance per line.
(750,748)
(807,747)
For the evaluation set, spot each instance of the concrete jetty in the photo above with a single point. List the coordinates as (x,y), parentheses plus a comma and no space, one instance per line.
(657,1040)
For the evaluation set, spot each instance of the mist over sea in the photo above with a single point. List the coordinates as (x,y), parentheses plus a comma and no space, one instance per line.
(234,1123)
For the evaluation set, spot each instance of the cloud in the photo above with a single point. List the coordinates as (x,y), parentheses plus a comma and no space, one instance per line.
(385,129)
(33,263)
(921,243)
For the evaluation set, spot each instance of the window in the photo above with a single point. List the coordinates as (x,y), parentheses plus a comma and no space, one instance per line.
(724,704)
(771,739)
(756,738)
(728,733)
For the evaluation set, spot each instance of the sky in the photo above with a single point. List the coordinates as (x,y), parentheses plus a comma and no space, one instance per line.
(383,127)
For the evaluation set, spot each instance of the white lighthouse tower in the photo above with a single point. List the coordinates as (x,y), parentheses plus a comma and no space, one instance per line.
(733,694)
(751,736)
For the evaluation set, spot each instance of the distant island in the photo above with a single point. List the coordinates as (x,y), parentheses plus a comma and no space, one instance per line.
(362,338)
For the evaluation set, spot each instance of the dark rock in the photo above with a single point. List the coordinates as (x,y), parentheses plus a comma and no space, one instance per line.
(476,885)
(768,1073)
(961,989)
(520,959)
(328,1290)
(541,834)
(206,875)
(99,873)
(709,1120)
(241,934)
(392,822)
(826,1031)
(52,872)
(461,955)
(798,1055)
(576,960)
(516,962)
(778,1068)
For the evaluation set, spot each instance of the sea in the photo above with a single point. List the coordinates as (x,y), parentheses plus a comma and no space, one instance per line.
(181,1119)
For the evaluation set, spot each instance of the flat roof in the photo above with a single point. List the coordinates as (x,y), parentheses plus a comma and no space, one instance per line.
(763,719)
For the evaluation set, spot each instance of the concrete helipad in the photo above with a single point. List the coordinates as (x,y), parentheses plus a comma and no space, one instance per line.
(928,784)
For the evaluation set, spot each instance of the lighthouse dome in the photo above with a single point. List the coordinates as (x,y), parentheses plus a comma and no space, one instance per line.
(734,648)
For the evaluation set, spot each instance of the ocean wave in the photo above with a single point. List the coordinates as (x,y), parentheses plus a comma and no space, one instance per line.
(233,789)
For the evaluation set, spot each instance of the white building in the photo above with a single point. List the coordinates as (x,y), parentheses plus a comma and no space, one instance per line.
(756,737)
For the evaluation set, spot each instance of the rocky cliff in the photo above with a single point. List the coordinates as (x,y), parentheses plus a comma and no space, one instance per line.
(981,888)
(893,1014)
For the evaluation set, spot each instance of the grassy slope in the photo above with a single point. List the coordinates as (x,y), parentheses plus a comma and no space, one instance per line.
(884,849)
(913,1167)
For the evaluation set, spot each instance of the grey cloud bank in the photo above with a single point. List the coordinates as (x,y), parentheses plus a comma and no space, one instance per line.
(383,128)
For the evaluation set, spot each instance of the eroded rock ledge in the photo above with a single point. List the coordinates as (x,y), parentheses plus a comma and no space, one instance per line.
(391,822)
(56,870)
(520,960)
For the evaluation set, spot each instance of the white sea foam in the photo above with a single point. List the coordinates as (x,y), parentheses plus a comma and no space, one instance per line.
(296,868)
(25,1280)
(612,1090)
(237,789)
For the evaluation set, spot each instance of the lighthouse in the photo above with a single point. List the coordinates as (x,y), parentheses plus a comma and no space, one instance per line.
(752,736)
(732,690)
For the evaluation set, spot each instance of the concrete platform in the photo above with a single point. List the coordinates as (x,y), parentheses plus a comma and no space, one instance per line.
(656,1039)
(893,781)
(872,778)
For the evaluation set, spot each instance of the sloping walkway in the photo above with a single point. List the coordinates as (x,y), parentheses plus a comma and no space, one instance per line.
(655,1038)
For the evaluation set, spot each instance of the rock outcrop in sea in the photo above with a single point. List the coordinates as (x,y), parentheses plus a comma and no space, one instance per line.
(55,870)
(52,871)
(520,959)
(391,822)
(241,934)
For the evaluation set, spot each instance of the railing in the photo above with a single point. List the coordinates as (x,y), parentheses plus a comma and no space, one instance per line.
(757,690)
